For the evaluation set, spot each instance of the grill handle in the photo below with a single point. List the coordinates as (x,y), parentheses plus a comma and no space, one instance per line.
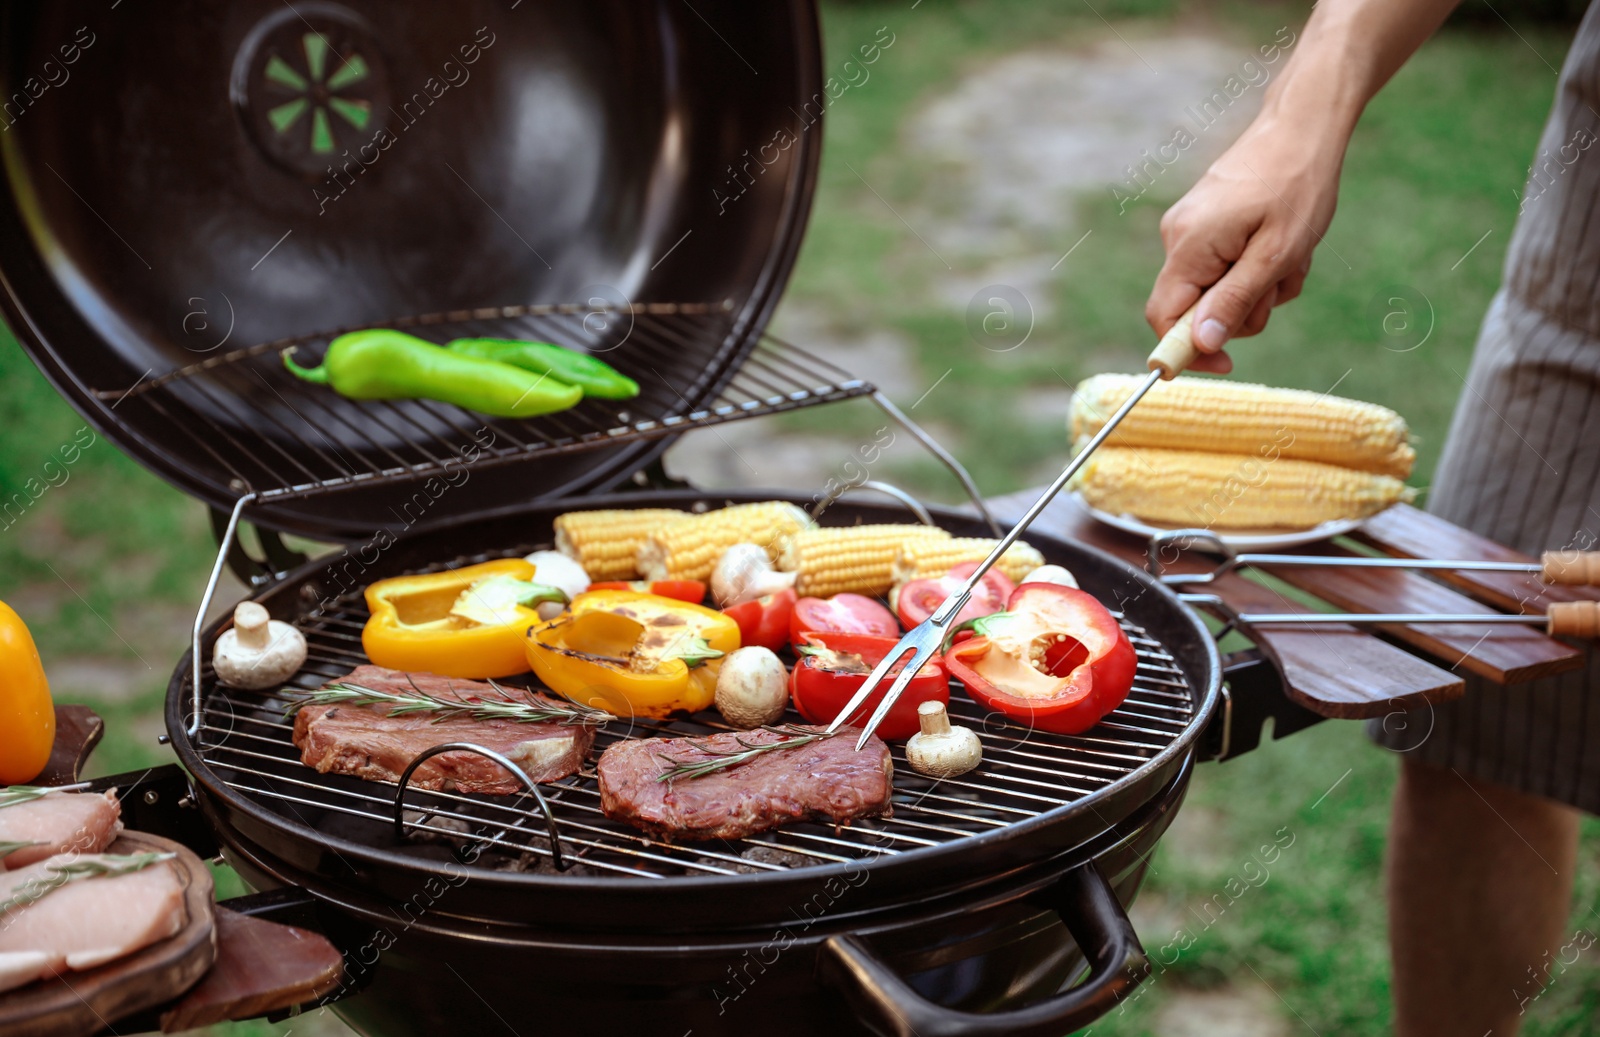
(1088,908)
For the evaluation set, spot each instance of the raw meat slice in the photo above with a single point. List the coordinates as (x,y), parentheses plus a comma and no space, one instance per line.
(61,822)
(85,923)
(365,742)
(825,780)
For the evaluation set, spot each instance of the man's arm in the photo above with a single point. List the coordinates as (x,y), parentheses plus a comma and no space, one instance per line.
(1244,234)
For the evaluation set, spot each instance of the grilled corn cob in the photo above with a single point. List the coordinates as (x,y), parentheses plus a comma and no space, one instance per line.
(859,559)
(1230,491)
(606,542)
(688,549)
(922,558)
(1239,418)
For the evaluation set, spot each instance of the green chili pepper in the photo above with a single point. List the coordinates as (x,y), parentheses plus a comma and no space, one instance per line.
(595,377)
(390,365)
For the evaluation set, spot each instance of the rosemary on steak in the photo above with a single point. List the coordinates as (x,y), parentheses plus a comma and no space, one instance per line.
(8,848)
(76,871)
(418,701)
(16,795)
(722,759)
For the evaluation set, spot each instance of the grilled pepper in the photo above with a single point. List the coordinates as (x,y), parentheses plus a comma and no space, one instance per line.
(1055,659)
(27,717)
(633,654)
(380,364)
(594,376)
(465,622)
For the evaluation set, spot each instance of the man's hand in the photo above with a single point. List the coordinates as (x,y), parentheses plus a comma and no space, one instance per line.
(1243,236)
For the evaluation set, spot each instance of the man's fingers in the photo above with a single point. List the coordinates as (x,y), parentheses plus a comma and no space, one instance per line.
(1213,363)
(1257,321)
(1229,303)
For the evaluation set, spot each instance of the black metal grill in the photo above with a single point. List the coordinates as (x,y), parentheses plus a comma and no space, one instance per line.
(246,740)
(284,440)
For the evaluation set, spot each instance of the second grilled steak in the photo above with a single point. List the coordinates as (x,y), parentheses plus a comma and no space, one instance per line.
(364,741)
(826,780)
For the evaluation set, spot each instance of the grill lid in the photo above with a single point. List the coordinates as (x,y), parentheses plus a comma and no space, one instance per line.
(268,171)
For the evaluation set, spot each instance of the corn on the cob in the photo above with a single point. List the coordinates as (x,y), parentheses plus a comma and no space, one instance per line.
(922,558)
(1230,491)
(859,559)
(606,542)
(688,549)
(1240,418)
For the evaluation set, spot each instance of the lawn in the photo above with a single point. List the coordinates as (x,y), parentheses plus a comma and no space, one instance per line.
(106,566)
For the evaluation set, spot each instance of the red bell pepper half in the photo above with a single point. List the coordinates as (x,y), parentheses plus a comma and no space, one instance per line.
(692,591)
(1055,660)
(832,667)
(764,621)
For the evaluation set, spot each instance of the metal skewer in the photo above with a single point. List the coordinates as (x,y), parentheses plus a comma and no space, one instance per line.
(1564,619)
(1173,354)
(1569,568)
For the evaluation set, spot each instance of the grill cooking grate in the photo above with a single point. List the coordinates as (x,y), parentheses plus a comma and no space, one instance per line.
(247,741)
(275,435)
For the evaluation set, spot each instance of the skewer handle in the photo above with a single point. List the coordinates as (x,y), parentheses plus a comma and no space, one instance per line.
(1176,351)
(1572,568)
(1574,619)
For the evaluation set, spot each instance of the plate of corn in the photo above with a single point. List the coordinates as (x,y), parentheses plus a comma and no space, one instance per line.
(1261,467)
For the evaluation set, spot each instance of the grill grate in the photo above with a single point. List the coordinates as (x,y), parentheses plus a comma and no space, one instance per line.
(247,741)
(274,435)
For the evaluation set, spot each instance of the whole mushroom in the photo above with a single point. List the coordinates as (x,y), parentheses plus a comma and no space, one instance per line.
(1050,574)
(752,687)
(258,652)
(745,573)
(554,569)
(939,750)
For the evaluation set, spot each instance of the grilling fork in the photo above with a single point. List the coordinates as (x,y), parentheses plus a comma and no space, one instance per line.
(1172,355)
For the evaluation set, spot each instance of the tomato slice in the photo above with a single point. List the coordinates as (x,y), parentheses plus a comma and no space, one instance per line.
(764,621)
(692,591)
(823,683)
(842,614)
(1055,659)
(918,598)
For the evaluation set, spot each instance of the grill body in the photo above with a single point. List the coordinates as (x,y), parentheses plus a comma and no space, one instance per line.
(1036,795)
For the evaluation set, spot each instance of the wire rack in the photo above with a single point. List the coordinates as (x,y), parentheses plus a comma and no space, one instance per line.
(265,432)
(246,739)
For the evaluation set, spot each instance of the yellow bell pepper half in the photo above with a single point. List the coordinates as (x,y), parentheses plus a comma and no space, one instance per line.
(633,654)
(27,716)
(423,624)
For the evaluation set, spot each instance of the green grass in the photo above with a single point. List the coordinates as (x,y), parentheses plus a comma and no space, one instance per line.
(108,564)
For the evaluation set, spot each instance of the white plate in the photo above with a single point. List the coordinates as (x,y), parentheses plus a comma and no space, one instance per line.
(1236,539)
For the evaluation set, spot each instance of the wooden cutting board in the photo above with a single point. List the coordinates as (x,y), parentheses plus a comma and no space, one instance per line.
(84,1003)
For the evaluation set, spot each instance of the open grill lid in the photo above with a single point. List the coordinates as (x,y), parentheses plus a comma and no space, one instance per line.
(185,180)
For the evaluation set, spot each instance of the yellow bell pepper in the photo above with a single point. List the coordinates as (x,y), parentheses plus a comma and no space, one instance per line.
(27,716)
(424,623)
(633,654)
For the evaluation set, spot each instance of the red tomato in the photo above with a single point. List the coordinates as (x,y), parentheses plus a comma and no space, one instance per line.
(764,621)
(918,598)
(842,614)
(822,685)
(1056,660)
(692,591)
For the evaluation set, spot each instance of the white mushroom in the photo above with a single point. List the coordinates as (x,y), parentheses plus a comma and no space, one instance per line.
(554,569)
(258,651)
(1050,574)
(752,687)
(745,573)
(939,750)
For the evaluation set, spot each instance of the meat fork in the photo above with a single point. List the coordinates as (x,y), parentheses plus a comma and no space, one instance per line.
(1172,355)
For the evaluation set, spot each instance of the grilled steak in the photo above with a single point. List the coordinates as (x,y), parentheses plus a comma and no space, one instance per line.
(364,741)
(827,780)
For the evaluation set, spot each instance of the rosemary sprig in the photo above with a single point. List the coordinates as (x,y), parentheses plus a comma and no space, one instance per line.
(78,870)
(8,848)
(16,795)
(723,759)
(484,709)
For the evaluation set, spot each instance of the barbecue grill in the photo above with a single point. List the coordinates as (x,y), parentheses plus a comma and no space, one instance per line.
(570,183)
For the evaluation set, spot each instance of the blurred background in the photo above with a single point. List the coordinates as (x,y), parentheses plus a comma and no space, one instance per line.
(990,145)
